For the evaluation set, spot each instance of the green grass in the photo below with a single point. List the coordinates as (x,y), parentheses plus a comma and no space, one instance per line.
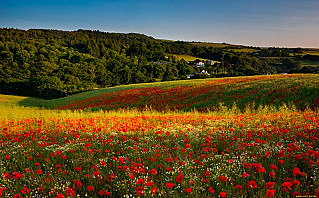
(310,63)
(187,57)
(190,58)
(301,91)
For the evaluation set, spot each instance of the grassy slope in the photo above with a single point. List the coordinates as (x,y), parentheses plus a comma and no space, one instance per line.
(200,94)
(310,63)
(191,58)
(187,57)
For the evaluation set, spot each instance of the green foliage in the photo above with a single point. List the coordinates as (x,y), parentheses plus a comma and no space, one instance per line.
(52,63)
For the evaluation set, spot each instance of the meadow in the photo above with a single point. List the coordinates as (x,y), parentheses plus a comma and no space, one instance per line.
(226,140)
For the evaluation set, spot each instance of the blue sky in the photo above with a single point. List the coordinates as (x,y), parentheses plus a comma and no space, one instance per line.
(282,23)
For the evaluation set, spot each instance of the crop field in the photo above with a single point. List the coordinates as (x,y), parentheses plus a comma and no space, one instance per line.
(92,145)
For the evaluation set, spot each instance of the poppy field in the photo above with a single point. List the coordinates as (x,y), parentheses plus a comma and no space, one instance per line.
(206,95)
(265,152)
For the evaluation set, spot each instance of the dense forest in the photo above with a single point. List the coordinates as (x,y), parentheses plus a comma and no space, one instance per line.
(52,63)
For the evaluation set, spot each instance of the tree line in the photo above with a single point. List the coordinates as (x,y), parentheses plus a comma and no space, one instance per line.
(52,63)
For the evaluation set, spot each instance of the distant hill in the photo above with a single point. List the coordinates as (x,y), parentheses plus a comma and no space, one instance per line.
(299,90)
(53,63)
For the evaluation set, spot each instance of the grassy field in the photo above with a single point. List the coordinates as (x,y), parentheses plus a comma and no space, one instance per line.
(300,91)
(188,57)
(269,151)
(310,63)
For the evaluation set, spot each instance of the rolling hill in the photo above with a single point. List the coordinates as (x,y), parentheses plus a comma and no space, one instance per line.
(299,90)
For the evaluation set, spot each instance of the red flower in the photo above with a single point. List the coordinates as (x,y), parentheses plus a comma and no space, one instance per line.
(78,184)
(7,157)
(222,178)
(169,159)
(140,181)
(17,196)
(271,174)
(60,196)
(153,171)
(180,178)
(222,194)
(38,171)
(101,192)
(25,190)
(154,190)
(149,183)
(270,193)
(188,190)
(281,154)
(90,188)
(96,173)
(252,184)
(296,171)
(286,184)
(210,189)
(169,185)
(295,183)
(273,166)
(239,187)
(17,175)
(270,184)
(78,168)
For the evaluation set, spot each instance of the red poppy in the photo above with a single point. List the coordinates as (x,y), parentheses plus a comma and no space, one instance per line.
(180,178)
(96,173)
(222,194)
(154,190)
(25,190)
(295,183)
(270,184)
(270,193)
(188,190)
(60,196)
(140,181)
(222,178)
(169,185)
(149,183)
(210,189)
(287,185)
(90,188)
(38,171)
(252,184)
(101,192)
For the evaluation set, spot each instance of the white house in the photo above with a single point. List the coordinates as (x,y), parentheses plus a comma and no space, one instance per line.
(200,64)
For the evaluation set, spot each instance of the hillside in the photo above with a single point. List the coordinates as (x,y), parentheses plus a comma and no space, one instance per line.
(52,63)
(300,90)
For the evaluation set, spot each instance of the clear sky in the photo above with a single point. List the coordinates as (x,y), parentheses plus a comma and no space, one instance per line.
(280,23)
